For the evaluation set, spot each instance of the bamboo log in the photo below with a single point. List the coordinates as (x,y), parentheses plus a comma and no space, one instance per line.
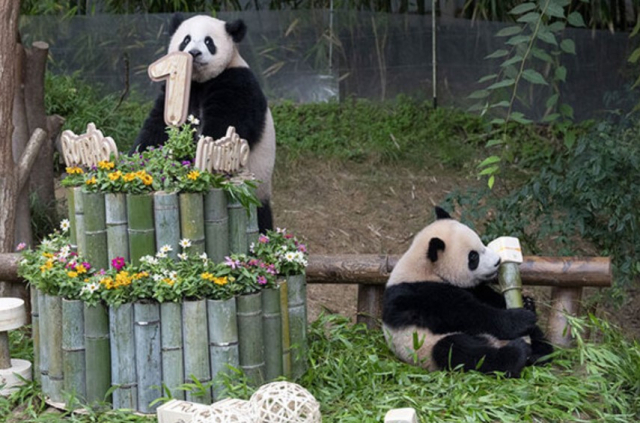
(78,207)
(252,225)
(286,333)
(172,357)
(251,347)
(564,301)
(72,218)
(54,347)
(196,348)
(237,227)
(95,230)
(123,357)
(272,333)
(511,284)
(73,352)
(148,354)
(216,225)
(141,226)
(192,220)
(43,326)
(166,211)
(297,293)
(223,341)
(35,332)
(97,352)
(116,219)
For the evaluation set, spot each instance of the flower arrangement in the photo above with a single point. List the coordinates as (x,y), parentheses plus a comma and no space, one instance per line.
(282,250)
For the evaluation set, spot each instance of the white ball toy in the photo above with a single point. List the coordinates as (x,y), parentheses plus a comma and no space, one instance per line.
(226,411)
(284,402)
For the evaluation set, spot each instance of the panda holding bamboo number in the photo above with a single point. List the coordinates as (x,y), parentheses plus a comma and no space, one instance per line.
(224,92)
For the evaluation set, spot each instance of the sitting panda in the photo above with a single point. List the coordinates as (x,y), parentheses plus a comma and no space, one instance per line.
(439,311)
(224,92)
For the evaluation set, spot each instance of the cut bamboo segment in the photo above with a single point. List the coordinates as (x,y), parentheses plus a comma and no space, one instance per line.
(97,352)
(123,357)
(172,359)
(252,225)
(43,325)
(297,293)
(216,225)
(192,220)
(78,210)
(71,213)
(148,354)
(223,341)
(166,211)
(35,332)
(116,217)
(141,227)
(286,341)
(95,230)
(196,348)
(54,347)
(237,227)
(251,347)
(272,333)
(73,353)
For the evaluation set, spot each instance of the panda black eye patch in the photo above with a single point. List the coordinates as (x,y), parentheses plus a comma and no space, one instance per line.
(210,45)
(184,43)
(474,260)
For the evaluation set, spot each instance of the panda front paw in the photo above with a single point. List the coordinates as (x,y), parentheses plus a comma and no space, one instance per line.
(529,303)
(518,322)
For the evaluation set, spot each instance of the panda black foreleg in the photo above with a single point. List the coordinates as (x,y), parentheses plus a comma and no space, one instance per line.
(476,353)
(540,348)
(265,217)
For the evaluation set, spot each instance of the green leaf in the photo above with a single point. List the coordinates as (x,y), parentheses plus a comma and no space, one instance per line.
(497,121)
(492,180)
(509,31)
(513,60)
(551,101)
(575,19)
(557,26)
(487,78)
(569,139)
(560,74)
(503,103)
(489,170)
(547,37)
(635,55)
(542,55)
(519,117)
(554,10)
(519,39)
(502,84)
(568,46)
(479,94)
(529,17)
(493,142)
(477,107)
(551,118)
(498,53)
(534,77)
(566,110)
(522,8)
(489,160)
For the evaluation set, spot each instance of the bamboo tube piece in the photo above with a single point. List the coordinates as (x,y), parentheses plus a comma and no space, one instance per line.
(116,218)
(196,348)
(54,347)
(511,284)
(97,352)
(286,341)
(95,230)
(252,225)
(223,341)
(71,213)
(141,226)
(148,354)
(251,347)
(237,227)
(123,357)
(35,332)
(272,333)
(172,360)
(192,220)
(43,328)
(297,293)
(166,211)
(73,353)
(216,225)
(78,203)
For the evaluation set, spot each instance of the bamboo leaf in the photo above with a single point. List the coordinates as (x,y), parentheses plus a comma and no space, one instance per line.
(568,46)
(575,19)
(509,31)
(554,10)
(491,181)
(529,17)
(551,101)
(498,53)
(547,37)
(489,160)
(503,103)
(513,60)
(519,39)
(489,171)
(522,8)
(635,55)
(502,84)
(560,74)
(479,94)
(487,78)
(534,77)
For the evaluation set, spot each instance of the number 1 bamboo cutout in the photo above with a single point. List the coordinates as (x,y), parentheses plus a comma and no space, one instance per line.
(176,68)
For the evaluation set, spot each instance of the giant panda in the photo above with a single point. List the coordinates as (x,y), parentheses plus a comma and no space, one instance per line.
(439,311)
(224,92)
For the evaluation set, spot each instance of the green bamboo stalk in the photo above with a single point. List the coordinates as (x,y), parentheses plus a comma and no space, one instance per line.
(223,341)
(216,225)
(141,226)
(286,340)
(123,357)
(73,353)
(238,220)
(196,348)
(35,332)
(172,359)
(297,293)
(166,210)
(54,348)
(97,352)
(511,284)
(252,225)
(116,218)
(272,333)
(71,213)
(148,354)
(95,230)
(192,220)
(251,347)
(43,329)
(78,210)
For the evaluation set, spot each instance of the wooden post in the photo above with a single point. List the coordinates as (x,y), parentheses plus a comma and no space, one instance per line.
(370,305)
(563,301)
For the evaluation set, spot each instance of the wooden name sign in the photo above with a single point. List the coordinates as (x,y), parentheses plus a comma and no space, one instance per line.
(228,154)
(87,149)
(176,68)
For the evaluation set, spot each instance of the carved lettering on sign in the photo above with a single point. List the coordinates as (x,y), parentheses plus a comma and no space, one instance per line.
(228,154)
(176,68)
(87,149)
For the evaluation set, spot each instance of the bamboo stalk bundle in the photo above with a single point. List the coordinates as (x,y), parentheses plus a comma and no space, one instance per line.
(73,352)
(123,357)
(35,332)
(272,333)
(216,225)
(223,341)
(192,220)
(252,225)
(148,354)
(166,211)
(116,218)
(71,213)
(237,228)
(54,347)
(97,352)
(78,211)
(251,347)
(297,293)
(43,329)
(141,226)
(172,360)
(286,341)
(196,348)
(95,229)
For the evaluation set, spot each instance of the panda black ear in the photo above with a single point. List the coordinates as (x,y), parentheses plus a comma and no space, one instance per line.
(176,20)
(442,213)
(237,29)
(435,245)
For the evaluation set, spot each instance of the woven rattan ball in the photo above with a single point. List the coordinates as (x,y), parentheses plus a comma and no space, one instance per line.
(226,411)
(284,402)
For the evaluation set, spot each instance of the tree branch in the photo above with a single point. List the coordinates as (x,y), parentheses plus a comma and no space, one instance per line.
(29,156)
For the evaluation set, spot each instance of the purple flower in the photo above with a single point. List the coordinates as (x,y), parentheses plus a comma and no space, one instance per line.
(118,263)
(302,248)
(234,264)
(271,269)
(262,280)
(86,265)
(262,239)
(186,163)
(21,246)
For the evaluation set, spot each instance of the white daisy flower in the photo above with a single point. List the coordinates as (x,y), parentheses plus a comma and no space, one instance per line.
(173,275)
(65,225)
(91,287)
(149,260)
(161,254)
(193,120)
(183,256)
(290,256)
(157,277)
(166,248)
(185,243)
(64,252)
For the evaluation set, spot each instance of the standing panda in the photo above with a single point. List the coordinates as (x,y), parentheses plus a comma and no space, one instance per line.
(440,313)
(224,92)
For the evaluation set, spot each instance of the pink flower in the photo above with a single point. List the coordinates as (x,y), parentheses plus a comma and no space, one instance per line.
(288,236)
(118,263)
(87,265)
(21,246)
(271,269)
(262,239)
(234,264)
(262,280)
(302,248)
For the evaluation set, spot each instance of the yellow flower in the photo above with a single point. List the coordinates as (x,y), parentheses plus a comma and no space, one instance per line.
(72,274)
(74,170)
(106,165)
(168,281)
(81,269)
(140,275)
(123,279)
(221,281)
(48,265)
(91,181)
(129,177)
(207,276)
(114,176)
(47,255)
(107,282)
(193,175)
(147,180)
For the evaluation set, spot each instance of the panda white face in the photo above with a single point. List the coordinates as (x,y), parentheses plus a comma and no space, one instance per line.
(211,42)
